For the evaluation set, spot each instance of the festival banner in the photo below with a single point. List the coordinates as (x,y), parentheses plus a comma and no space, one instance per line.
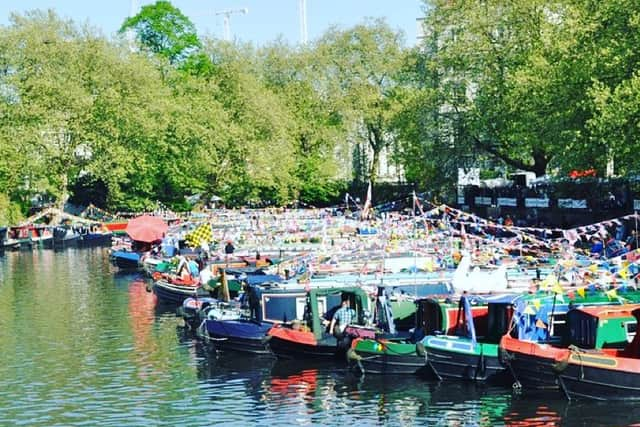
(536,203)
(507,201)
(483,201)
(572,204)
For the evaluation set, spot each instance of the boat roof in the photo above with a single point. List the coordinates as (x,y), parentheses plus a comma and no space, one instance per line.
(610,311)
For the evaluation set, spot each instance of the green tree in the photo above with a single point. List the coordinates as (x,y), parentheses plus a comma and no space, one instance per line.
(361,66)
(164,30)
(504,79)
(317,131)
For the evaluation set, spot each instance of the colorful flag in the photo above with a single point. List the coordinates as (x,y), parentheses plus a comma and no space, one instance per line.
(557,289)
(581,292)
(549,281)
(202,234)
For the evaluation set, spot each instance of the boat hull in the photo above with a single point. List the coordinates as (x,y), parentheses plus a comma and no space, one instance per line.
(238,335)
(286,349)
(175,294)
(583,380)
(95,239)
(468,367)
(126,260)
(530,364)
(385,357)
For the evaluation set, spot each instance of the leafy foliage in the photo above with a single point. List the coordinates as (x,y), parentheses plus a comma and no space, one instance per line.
(541,85)
(164,30)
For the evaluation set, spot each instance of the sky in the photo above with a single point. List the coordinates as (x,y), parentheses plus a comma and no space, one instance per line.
(264,22)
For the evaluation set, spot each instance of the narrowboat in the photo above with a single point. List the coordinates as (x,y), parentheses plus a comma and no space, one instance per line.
(389,354)
(311,338)
(471,353)
(597,367)
(540,334)
(265,304)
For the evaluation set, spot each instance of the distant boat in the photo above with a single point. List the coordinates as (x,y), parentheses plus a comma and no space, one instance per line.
(64,236)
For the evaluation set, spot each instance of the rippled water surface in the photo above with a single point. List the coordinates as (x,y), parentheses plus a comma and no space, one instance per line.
(81,344)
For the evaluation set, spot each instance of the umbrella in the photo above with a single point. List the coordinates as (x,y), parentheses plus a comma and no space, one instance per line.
(146,228)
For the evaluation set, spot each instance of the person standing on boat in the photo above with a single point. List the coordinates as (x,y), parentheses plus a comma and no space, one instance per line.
(342,317)
(229,249)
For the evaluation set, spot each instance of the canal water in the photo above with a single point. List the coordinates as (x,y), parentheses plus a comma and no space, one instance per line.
(81,344)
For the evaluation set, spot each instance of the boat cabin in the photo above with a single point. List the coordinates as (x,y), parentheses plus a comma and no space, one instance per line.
(601,327)
(322,303)
(441,316)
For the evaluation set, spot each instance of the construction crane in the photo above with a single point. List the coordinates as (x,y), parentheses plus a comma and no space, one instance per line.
(303,21)
(226,16)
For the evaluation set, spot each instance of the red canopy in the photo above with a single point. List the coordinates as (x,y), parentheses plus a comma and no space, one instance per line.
(146,228)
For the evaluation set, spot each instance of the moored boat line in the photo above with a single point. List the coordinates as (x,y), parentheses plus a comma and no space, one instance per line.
(434,301)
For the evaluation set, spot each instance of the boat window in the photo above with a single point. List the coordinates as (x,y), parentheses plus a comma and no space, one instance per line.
(430,317)
(322,305)
(300,305)
(282,308)
(631,328)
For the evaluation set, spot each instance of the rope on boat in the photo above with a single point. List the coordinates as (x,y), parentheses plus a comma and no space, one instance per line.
(560,366)
(505,359)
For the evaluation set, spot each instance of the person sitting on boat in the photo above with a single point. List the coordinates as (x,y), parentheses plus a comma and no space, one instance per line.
(194,268)
(184,270)
(344,316)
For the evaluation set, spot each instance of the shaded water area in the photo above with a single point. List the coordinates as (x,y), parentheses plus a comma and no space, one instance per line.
(83,345)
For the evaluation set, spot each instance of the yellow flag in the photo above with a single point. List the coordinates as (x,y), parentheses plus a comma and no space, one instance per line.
(612,294)
(536,303)
(428,265)
(549,282)
(593,268)
(529,310)
(624,274)
(581,292)
(557,289)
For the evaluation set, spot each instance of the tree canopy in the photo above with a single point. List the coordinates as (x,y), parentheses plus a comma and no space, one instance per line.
(164,30)
(541,85)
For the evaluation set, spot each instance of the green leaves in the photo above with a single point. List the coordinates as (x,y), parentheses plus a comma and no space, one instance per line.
(164,30)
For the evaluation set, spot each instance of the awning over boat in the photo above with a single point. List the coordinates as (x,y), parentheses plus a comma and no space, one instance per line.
(260,279)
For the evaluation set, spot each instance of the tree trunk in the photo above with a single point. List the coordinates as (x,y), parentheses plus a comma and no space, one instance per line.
(377,143)
(540,162)
(375,163)
(62,199)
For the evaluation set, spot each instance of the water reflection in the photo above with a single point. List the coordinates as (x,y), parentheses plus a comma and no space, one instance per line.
(81,345)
